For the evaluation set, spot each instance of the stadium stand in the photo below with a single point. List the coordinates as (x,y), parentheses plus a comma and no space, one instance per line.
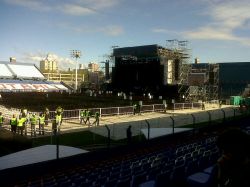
(24,77)
(184,159)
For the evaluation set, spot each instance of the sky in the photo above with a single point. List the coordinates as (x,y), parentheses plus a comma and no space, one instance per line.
(216,30)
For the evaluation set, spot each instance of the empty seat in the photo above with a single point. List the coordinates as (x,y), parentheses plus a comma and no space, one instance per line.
(162,179)
(138,179)
(123,183)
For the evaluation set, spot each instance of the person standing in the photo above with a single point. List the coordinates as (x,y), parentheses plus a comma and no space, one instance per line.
(20,125)
(82,115)
(87,117)
(13,123)
(41,124)
(46,115)
(25,114)
(234,163)
(33,122)
(1,119)
(134,108)
(57,120)
(97,119)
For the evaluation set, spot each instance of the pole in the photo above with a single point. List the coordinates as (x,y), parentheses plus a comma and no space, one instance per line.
(76,54)
(76,77)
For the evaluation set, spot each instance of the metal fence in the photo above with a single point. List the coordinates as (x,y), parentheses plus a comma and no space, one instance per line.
(112,111)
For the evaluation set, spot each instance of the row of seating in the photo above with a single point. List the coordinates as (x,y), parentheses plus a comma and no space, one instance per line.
(168,165)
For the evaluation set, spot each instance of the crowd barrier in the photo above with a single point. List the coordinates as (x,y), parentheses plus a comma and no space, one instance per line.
(112,111)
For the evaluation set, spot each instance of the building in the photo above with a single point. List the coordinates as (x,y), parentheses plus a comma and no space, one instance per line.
(149,68)
(93,67)
(49,64)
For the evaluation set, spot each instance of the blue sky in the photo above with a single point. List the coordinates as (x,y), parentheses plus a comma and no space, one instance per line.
(216,30)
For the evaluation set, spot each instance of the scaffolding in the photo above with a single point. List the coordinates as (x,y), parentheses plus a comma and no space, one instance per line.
(204,82)
(183,54)
(212,82)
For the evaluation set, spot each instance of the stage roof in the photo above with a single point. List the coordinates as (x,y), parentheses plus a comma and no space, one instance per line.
(20,70)
(24,77)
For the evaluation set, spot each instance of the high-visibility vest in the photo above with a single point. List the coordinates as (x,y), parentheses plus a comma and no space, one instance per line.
(33,120)
(58,118)
(13,121)
(97,115)
(42,120)
(21,122)
(88,113)
(1,119)
(82,114)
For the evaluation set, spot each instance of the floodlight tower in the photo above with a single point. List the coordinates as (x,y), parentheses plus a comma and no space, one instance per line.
(75,54)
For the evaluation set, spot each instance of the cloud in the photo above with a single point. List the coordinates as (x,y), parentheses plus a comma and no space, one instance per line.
(227,17)
(164,31)
(74,8)
(110,30)
(30,4)
(98,4)
(63,63)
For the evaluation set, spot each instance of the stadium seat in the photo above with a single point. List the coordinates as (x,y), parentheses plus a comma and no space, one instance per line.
(123,183)
(138,179)
(162,179)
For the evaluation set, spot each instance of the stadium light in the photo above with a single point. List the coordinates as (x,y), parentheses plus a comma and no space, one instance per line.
(75,54)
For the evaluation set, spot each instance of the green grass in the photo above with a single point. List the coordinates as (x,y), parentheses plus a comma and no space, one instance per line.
(10,143)
(83,139)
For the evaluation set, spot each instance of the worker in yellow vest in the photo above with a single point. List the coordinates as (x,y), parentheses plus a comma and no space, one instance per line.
(87,115)
(57,122)
(82,116)
(97,119)
(41,124)
(20,125)
(1,119)
(24,114)
(13,123)
(33,122)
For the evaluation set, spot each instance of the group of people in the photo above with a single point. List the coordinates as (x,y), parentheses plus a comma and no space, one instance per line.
(85,117)
(19,123)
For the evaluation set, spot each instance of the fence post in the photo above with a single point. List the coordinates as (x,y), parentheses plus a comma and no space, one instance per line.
(209,117)
(148,128)
(118,110)
(234,111)
(193,121)
(224,115)
(108,129)
(100,111)
(172,122)
(153,108)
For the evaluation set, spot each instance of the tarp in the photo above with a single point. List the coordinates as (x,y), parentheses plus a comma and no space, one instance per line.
(36,155)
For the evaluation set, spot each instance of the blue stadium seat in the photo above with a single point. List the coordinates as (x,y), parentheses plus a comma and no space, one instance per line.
(138,179)
(123,183)
(163,179)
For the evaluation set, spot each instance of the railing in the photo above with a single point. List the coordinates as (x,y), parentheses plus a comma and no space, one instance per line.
(181,106)
(141,129)
(112,111)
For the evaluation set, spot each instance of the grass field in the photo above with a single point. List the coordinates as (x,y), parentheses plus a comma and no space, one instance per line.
(38,101)
(10,143)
